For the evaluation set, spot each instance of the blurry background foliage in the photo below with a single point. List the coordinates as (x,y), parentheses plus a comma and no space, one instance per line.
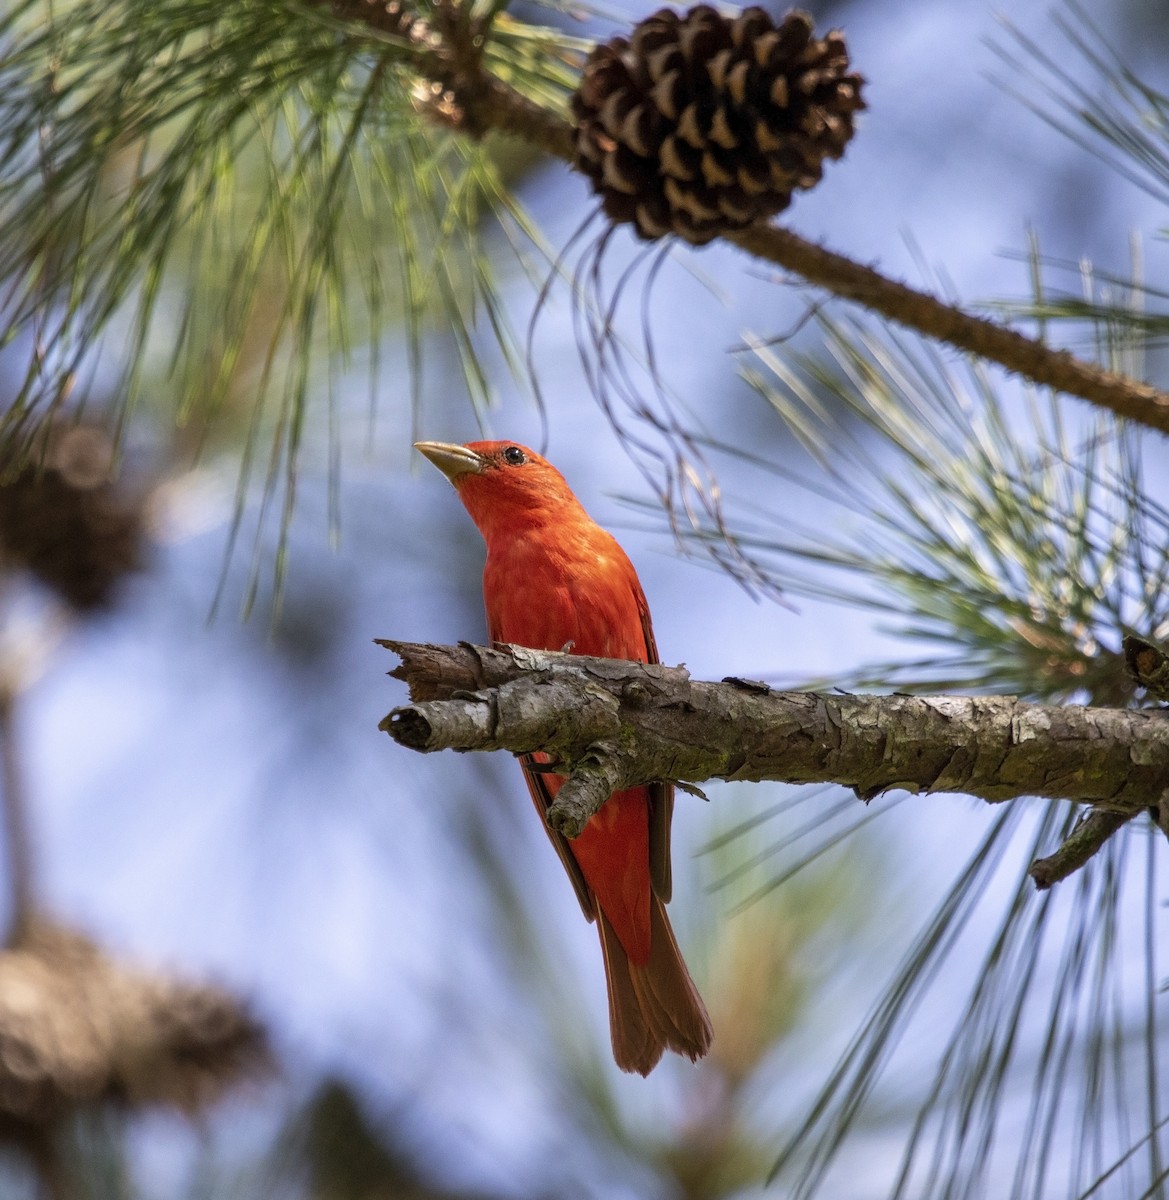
(252,951)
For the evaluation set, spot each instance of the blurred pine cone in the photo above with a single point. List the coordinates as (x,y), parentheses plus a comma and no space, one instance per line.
(700,124)
(64,519)
(77,1028)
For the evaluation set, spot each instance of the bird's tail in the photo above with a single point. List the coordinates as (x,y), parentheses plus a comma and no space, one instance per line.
(653,1006)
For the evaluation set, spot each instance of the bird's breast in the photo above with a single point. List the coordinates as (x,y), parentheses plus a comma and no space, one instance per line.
(546,597)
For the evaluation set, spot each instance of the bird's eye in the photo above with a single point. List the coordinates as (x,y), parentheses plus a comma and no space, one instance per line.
(514,456)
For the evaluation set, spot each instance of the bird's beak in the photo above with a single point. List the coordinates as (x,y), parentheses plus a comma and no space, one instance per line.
(451,460)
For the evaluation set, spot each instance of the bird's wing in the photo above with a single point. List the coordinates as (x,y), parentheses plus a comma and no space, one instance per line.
(541,794)
(661,795)
(542,789)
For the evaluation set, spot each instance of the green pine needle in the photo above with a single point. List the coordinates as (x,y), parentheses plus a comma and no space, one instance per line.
(223,209)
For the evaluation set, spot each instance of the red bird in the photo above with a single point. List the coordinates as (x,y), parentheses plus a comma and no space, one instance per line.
(555,578)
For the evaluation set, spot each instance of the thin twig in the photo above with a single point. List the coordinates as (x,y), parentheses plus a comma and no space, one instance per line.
(944,322)
(53,1180)
(20,870)
(1083,842)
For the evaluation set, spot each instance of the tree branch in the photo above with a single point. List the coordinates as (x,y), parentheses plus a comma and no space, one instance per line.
(611,724)
(15,808)
(486,103)
(1091,832)
(944,322)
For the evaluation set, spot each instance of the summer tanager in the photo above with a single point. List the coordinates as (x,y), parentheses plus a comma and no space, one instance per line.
(554,579)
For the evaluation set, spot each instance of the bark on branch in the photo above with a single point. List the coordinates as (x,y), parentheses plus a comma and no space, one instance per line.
(612,724)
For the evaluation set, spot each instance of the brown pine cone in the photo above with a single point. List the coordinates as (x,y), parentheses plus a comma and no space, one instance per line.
(700,124)
(68,523)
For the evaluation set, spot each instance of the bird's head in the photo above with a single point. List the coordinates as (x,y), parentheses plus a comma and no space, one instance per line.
(501,483)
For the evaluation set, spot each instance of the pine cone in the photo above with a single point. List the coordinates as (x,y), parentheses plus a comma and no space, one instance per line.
(700,124)
(66,522)
(78,1027)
